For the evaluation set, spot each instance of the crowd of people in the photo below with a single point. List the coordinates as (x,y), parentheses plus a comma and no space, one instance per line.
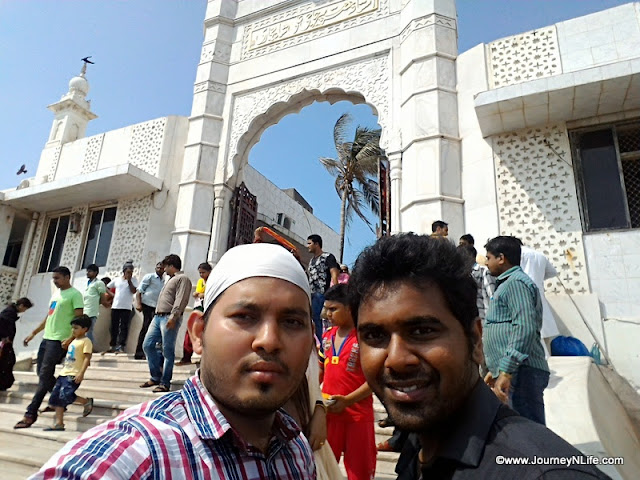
(449,341)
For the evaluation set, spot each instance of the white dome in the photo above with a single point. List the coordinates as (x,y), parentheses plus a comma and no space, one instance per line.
(79,84)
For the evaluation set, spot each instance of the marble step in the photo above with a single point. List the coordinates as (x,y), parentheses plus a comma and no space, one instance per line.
(11,470)
(100,406)
(104,378)
(133,394)
(73,420)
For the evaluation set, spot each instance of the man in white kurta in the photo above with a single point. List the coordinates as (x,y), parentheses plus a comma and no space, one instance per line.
(539,269)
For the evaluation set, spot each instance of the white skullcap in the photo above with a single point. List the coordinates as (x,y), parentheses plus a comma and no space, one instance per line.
(254,260)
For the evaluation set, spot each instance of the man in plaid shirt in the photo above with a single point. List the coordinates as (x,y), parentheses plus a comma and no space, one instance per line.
(255,338)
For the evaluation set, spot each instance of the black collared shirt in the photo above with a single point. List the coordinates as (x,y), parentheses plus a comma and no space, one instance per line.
(486,435)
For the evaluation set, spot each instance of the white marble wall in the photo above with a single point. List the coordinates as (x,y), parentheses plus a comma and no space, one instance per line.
(600,38)
(478,179)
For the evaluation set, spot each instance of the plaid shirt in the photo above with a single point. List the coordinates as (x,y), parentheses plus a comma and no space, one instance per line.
(181,435)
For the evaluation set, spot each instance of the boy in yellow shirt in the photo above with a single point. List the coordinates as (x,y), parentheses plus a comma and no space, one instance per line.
(75,365)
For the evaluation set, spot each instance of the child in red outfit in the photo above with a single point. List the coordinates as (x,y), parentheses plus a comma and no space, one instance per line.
(350,427)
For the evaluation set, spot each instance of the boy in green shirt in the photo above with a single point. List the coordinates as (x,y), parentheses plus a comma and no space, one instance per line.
(65,304)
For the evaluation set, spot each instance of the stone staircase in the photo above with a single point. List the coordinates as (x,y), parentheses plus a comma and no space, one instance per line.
(112,380)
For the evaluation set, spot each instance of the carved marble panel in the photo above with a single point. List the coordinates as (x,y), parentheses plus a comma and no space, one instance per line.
(537,200)
(369,78)
(145,149)
(129,235)
(427,21)
(34,254)
(73,242)
(306,22)
(8,278)
(92,154)
(54,163)
(524,57)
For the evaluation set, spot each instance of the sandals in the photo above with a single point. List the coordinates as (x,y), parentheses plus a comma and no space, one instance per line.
(149,383)
(59,427)
(386,422)
(26,422)
(160,389)
(88,407)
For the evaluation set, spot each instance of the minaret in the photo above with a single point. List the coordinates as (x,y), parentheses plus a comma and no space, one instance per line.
(72,112)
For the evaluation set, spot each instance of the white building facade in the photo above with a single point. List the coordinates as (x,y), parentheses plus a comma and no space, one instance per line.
(107,199)
(535,135)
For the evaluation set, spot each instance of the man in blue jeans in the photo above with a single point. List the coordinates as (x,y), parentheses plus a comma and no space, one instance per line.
(164,327)
(518,370)
(322,272)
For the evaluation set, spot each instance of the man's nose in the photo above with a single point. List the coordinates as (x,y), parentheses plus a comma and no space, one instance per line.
(399,356)
(268,336)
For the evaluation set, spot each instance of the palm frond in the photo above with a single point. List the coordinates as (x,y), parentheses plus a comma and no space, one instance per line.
(341,129)
(371,195)
(356,202)
(333,166)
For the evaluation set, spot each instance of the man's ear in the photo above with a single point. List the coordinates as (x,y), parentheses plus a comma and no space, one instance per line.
(477,352)
(195,327)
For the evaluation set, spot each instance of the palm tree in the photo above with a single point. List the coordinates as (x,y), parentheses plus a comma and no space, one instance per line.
(353,170)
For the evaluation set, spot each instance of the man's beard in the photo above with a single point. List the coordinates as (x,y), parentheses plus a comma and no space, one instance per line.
(222,390)
(433,414)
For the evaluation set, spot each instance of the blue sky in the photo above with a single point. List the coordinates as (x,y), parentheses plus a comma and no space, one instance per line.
(146,52)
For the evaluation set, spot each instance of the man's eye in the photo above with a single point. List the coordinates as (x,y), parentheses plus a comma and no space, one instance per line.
(422,331)
(373,337)
(294,322)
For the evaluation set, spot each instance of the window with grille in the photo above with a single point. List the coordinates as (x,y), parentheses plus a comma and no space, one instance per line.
(54,243)
(608,172)
(96,249)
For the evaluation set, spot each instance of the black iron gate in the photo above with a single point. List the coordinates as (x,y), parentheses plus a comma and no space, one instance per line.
(243,216)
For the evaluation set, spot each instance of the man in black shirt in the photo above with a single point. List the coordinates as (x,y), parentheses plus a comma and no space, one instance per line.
(414,303)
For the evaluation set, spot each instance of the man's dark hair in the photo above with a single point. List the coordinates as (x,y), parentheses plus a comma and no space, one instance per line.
(206,266)
(315,238)
(105,280)
(468,250)
(83,320)
(62,270)
(93,268)
(467,237)
(173,260)
(24,302)
(507,246)
(419,260)
(438,223)
(338,293)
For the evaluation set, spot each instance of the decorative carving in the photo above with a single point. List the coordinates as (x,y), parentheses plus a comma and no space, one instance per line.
(92,154)
(34,255)
(524,57)
(8,278)
(215,50)
(306,22)
(129,235)
(427,21)
(210,86)
(54,163)
(73,246)
(537,200)
(370,78)
(146,145)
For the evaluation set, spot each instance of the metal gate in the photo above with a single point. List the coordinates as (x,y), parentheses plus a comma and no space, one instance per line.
(243,216)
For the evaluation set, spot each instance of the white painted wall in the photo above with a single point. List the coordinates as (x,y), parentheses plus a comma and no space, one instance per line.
(272,200)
